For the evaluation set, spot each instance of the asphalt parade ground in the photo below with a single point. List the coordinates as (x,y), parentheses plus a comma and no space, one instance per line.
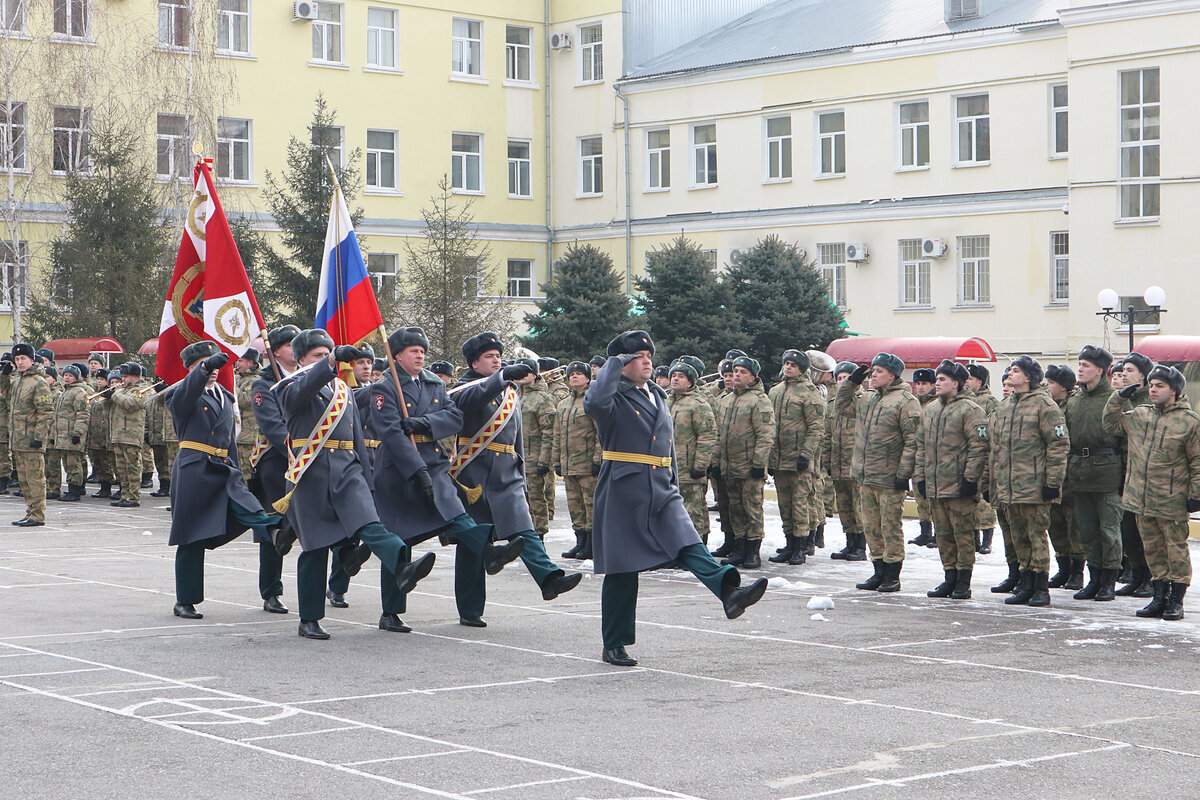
(104,694)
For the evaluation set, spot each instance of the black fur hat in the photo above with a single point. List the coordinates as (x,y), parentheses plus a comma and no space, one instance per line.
(1063,376)
(408,337)
(479,344)
(252,355)
(379,365)
(952,370)
(546,364)
(1140,362)
(1170,376)
(1096,355)
(194,352)
(282,335)
(630,342)
(927,375)
(1031,368)
(442,368)
(307,340)
(597,361)
(23,349)
(980,373)
(46,353)
(131,368)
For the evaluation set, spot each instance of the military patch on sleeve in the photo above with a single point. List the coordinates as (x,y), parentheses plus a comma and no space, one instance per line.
(766,416)
(258,398)
(1060,431)
(378,402)
(981,431)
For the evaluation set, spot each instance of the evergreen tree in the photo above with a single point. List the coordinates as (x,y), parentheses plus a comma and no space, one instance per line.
(299,199)
(261,263)
(583,309)
(685,308)
(781,300)
(108,274)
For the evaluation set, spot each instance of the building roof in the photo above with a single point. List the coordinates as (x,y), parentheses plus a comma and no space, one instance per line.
(795,28)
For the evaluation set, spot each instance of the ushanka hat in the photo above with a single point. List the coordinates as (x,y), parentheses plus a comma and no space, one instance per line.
(797,357)
(685,369)
(582,367)
(252,355)
(1031,368)
(979,373)
(891,363)
(1063,376)
(282,335)
(442,368)
(746,362)
(1140,362)
(402,338)
(1096,355)
(844,367)
(196,351)
(693,362)
(545,364)
(630,342)
(309,339)
(1168,375)
(597,361)
(924,375)
(952,370)
(23,349)
(479,344)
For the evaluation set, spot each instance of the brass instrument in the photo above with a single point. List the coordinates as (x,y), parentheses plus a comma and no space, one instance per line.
(141,391)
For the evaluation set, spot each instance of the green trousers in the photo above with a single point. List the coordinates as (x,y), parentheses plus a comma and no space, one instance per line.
(1098,526)
(31,473)
(189,558)
(881,510)
(1028,523)
(311,568)
(469,540)
(470,592)
(1063,536)
(954,522)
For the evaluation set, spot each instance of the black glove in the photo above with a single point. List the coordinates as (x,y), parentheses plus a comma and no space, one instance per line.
(558,470)
(74,440)
(413,426)
(696,474)
(6,368)
(346,353)
(859,375)
(967,488)
(801,463)
(900,484)
(1050,493)
(771,471)
(987,496)
(160,386)
(715,471)
(215,362)
(757,473)
(625,358)
(35,444)
(1193,506)
(1129,391)
(543,469)
(516,372)
(595,469)
(424,482)
(921,488)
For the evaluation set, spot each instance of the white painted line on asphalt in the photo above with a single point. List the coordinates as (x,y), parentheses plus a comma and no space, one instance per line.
(405,758)
(301,733)
(59,672)
(37,585)
(442,689)
(157,687)
(525,785)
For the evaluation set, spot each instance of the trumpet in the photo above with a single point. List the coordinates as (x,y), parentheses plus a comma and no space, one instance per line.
(141,391)
(554,372)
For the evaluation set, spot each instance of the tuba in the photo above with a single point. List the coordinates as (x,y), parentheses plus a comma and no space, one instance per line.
(820,362)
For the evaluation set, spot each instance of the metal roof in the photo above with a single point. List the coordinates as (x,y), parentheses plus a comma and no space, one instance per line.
(792,28)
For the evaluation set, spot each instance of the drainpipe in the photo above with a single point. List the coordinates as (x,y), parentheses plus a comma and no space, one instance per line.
(546,133)
(628,197)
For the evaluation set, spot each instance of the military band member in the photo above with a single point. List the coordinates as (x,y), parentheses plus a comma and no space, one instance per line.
(837,452)
(71,418)
(99,438)
(799,426)
(128,433)
(557,384)
(30,415)
(1068,550)
(537,430)
(245,371)
(922,389)
(695,429)
(576,458)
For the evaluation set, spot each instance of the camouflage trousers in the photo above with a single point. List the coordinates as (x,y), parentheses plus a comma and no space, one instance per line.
(102,465)
(826,494)
(954,521)
(1098,525)
(925,512)
(846,501)
(31,472)
(128,459)
(797,497)
(69,461)
(745,507)
(882,512)
(1166,544)
(985,516)
(147,459)
(695,500)
(244,449)
(1027,524)
(54,469)
(535,488)
(6,461)
(580,492)
(1063,536)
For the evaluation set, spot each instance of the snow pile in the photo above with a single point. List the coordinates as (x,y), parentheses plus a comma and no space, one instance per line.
(820,604)
(778,582)
(818,618)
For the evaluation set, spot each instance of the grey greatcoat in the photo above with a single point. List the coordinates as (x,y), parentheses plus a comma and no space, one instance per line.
(502,475)
(402,508)
(267,482)
(333,499)
(203,485)
(639,521)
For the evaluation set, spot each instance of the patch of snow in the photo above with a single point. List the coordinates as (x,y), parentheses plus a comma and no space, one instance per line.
(1076,642)
(818,618)
(820,603)
(778,582)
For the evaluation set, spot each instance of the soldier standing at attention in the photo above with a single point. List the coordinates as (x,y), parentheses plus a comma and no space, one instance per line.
(1068,551)
(595,363)
(71,418)
(128,434)
(1136,575)
(537,428)
(887,419)
(1026,468)
(662,377)
(977,384)
(922,389)
(640,521)
(952,449)
(30,415)
(1162,480)
(745,437)
(799,412)
(6,462)
(718,390)
(160,439)
(576,458)
(99,438)
(245,374)
(695,439)
(837,453)
(559,390)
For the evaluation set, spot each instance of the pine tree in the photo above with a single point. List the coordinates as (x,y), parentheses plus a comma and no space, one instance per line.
(782,301)
(685,308)
(583,309)
(261,264)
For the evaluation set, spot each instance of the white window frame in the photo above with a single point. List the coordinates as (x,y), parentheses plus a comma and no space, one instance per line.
(1147,187)
(168,36)
(84,9)
(380,274)
(518,281)
(778,152)
(973,121)
(464,157)
(520,170)
(1060,266)
(327,29)
(915,266)
(658,163)
(702,152)
(20,9)
(11,262)
(378,35)
(514,52)
(1057,111)
(339,150)
(831,140)
(178,149)
(375,155)
(462,47)
(591,167)
(591,56)
(77,140)
(226,19)
(916,128)
(832,263)
(963,9)
(14,138)
(229,146)
(974,270)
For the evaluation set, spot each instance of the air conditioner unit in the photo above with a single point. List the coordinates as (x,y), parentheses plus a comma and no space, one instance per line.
(857,251)
(934,248)
(560,41)
(304,11)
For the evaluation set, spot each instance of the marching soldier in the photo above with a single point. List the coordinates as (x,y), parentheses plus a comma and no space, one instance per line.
(1136,575)
(1068,551)
(799,412)
(695,440)
(745,437)
(985,523)
(537,430)
(71,419)
(1162,480)
(99,438)
(30,415)
(640,522)
(245,374)
(128,433)
(922,389)
(837,452)
(576,458)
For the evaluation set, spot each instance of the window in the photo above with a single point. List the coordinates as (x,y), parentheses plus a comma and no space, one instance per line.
(466,162)
(520,277)
(591,53)
(914,135)
(14,276)
(381,38)
(831,138)
(779,148)
(384,273)
(71,18)
(974,270)
(519,178)
(71,132)
(174,151)
(174,23)
(233,26)
(591,166)
(1139,143)
(710,258)
(1060,274)
(974,134)
(962,9)
(658,159)
(1058,120)
(518,53)
(12,15)
(914,274)
(332,137)
(327,33)
(468,267)
(467,47)
(833,270)
(381,160)
(704,154)
(13,141)
(233,149)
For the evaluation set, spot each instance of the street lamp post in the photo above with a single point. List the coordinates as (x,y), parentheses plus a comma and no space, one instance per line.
(1155,296)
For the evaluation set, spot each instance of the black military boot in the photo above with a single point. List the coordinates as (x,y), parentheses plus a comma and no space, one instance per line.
(845,551)
(859,553)
(1041,589)
(1009,583)
(574,551)
(3,485)
(978,540)
(799,553)
(1144,589)
(925,536)
(872,583)
(1023,592)
(891,577)
(147,480)
(1064,571)
(962,589)
(1075,581)
(1156,606)
(585,554)
(737,554)
(73,493)
(726,548)
(164,488)
(1126,573)
(1134,583)
(1174,608)
(808,541)
(752,560)
(105,490)
(1108,585)
(985,545)
(932,540)
(116,492)
(819,537)
(944,588)
(1095,579)
(53,493)
(783,554)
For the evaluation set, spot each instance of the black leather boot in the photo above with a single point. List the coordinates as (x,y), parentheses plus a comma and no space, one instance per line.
(1132,584)
(986,544)
(736,555)
(147,480)
(752,560)
(978,540)
(1174,608)
(926,535)
(1009,583)
(1096,576)
(1041,589)
(872,583)
(164,488)
(799,553)
(784,553)
(1156,606)
(859,553)
(891,577)
(105,490)
(1126,573)
(726,548)
(808,543)
(586,553)
(1144,589)
(962,590)
(1108,585)
(72,495)
(1064,571)
(840,555)
(1075,580)
(944,588)
(3,485)
(819,537)
(53,493)
(574,551)
(1023,592)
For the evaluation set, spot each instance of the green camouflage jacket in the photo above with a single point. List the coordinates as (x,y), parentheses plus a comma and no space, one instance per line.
(1163,469)
(576,446)
(245,401)
(30,408)
(745,431)
(695,432)
(100,424)
(71,417)
(537,422)
(128,416)
(952,444)
(1029,448)
(799,422)
(559,391)
(984,399)
(837,445)
(886,422)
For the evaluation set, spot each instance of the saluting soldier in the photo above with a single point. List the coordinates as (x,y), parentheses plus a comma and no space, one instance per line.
(799,426)
(922,389)
(576,458)
(537,428)
(245,371)
(71,419)
(695,428)
(640,522)
(837,452)
(30,415)
(128,433)
(1136,574)
(99,438)
(210,505)
(1068,551)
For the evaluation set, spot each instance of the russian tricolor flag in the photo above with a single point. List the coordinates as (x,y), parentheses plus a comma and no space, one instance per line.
(346,306)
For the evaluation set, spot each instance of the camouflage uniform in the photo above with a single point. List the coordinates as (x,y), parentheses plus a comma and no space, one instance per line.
(924,513)
(695,438)
(69,434)
(99,443)
(1063,537)
(745,436)
(576,457)
(837,450)
(243,390)
(158,420)
(30,415)
(799,427)
(6,462)
(128,436)
(537,417)
(985,516)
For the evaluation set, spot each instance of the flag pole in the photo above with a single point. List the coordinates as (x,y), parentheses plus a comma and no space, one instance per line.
(387,348)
